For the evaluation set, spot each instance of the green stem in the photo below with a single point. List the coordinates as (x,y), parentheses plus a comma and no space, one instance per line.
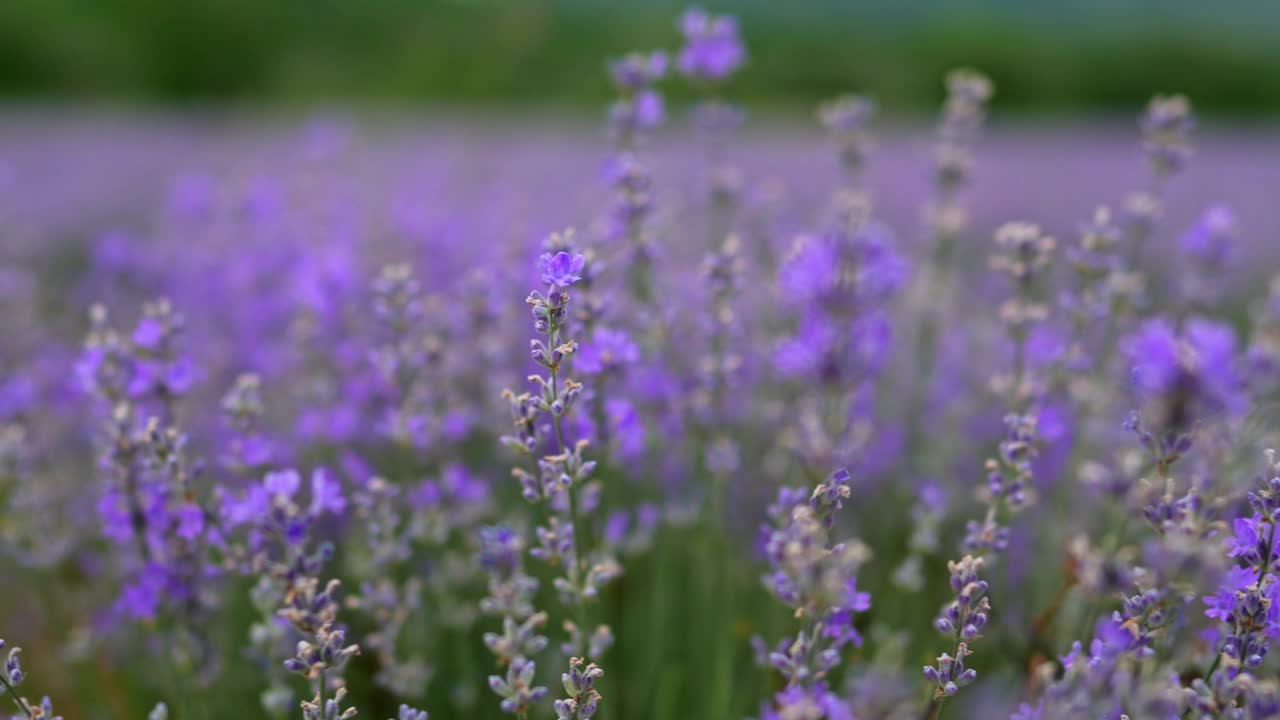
(600,416)
(1213,667)
(638,270)
(579,554)
(927,339)
(17,699)
(932,707)
(722,675)
(579,534)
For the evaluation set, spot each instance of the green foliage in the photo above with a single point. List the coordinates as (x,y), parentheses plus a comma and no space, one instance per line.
(1043,56)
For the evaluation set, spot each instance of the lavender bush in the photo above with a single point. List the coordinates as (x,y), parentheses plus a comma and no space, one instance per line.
(337,425)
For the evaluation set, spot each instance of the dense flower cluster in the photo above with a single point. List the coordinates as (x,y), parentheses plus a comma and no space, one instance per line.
(818,579)
(291,483)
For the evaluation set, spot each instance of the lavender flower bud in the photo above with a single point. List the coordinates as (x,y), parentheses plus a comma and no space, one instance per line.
(330,710)
(12,667)
(847,120)
(409,713)
(516,689)
(1166,133)
(582,699)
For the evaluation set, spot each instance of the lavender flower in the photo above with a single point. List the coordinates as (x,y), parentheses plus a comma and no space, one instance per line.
(561,480)
(13,668)
(1166,131)
(409,713)
(963,114)
(148,366)
(1024,256)
(950,674)
(11,677)
(323,652)
(1099,286)
(1208,248)
(711,54)
(581,699)
(560,270)
(712,50)
(270,535)
(638,109)
(249,451)
(632,184)
(691,355)
(391,532)
(517,690)
(965,616)
(840,283)
(320,708)
(1166,140)
(1106,676)
(403,357)
(1247,601)
(819,581)
(608,351)
(958,128)
(846,120)
(815,701)
(640,106)
(511,596)
(722,272)
(1180,378)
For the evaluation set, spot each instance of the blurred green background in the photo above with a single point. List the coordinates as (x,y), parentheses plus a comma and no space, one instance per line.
(1044,56)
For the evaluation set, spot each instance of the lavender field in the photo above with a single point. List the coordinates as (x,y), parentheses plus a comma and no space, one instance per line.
(687,413)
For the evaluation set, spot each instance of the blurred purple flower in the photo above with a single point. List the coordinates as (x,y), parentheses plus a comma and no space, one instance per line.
(712,49)
(562,269)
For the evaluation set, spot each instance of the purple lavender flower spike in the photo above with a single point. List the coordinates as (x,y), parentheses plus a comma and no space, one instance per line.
(963,619)
(309,332)
(560,479)
(818,580)
(712,50)
(582,699)
(711,54)
(640,108)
